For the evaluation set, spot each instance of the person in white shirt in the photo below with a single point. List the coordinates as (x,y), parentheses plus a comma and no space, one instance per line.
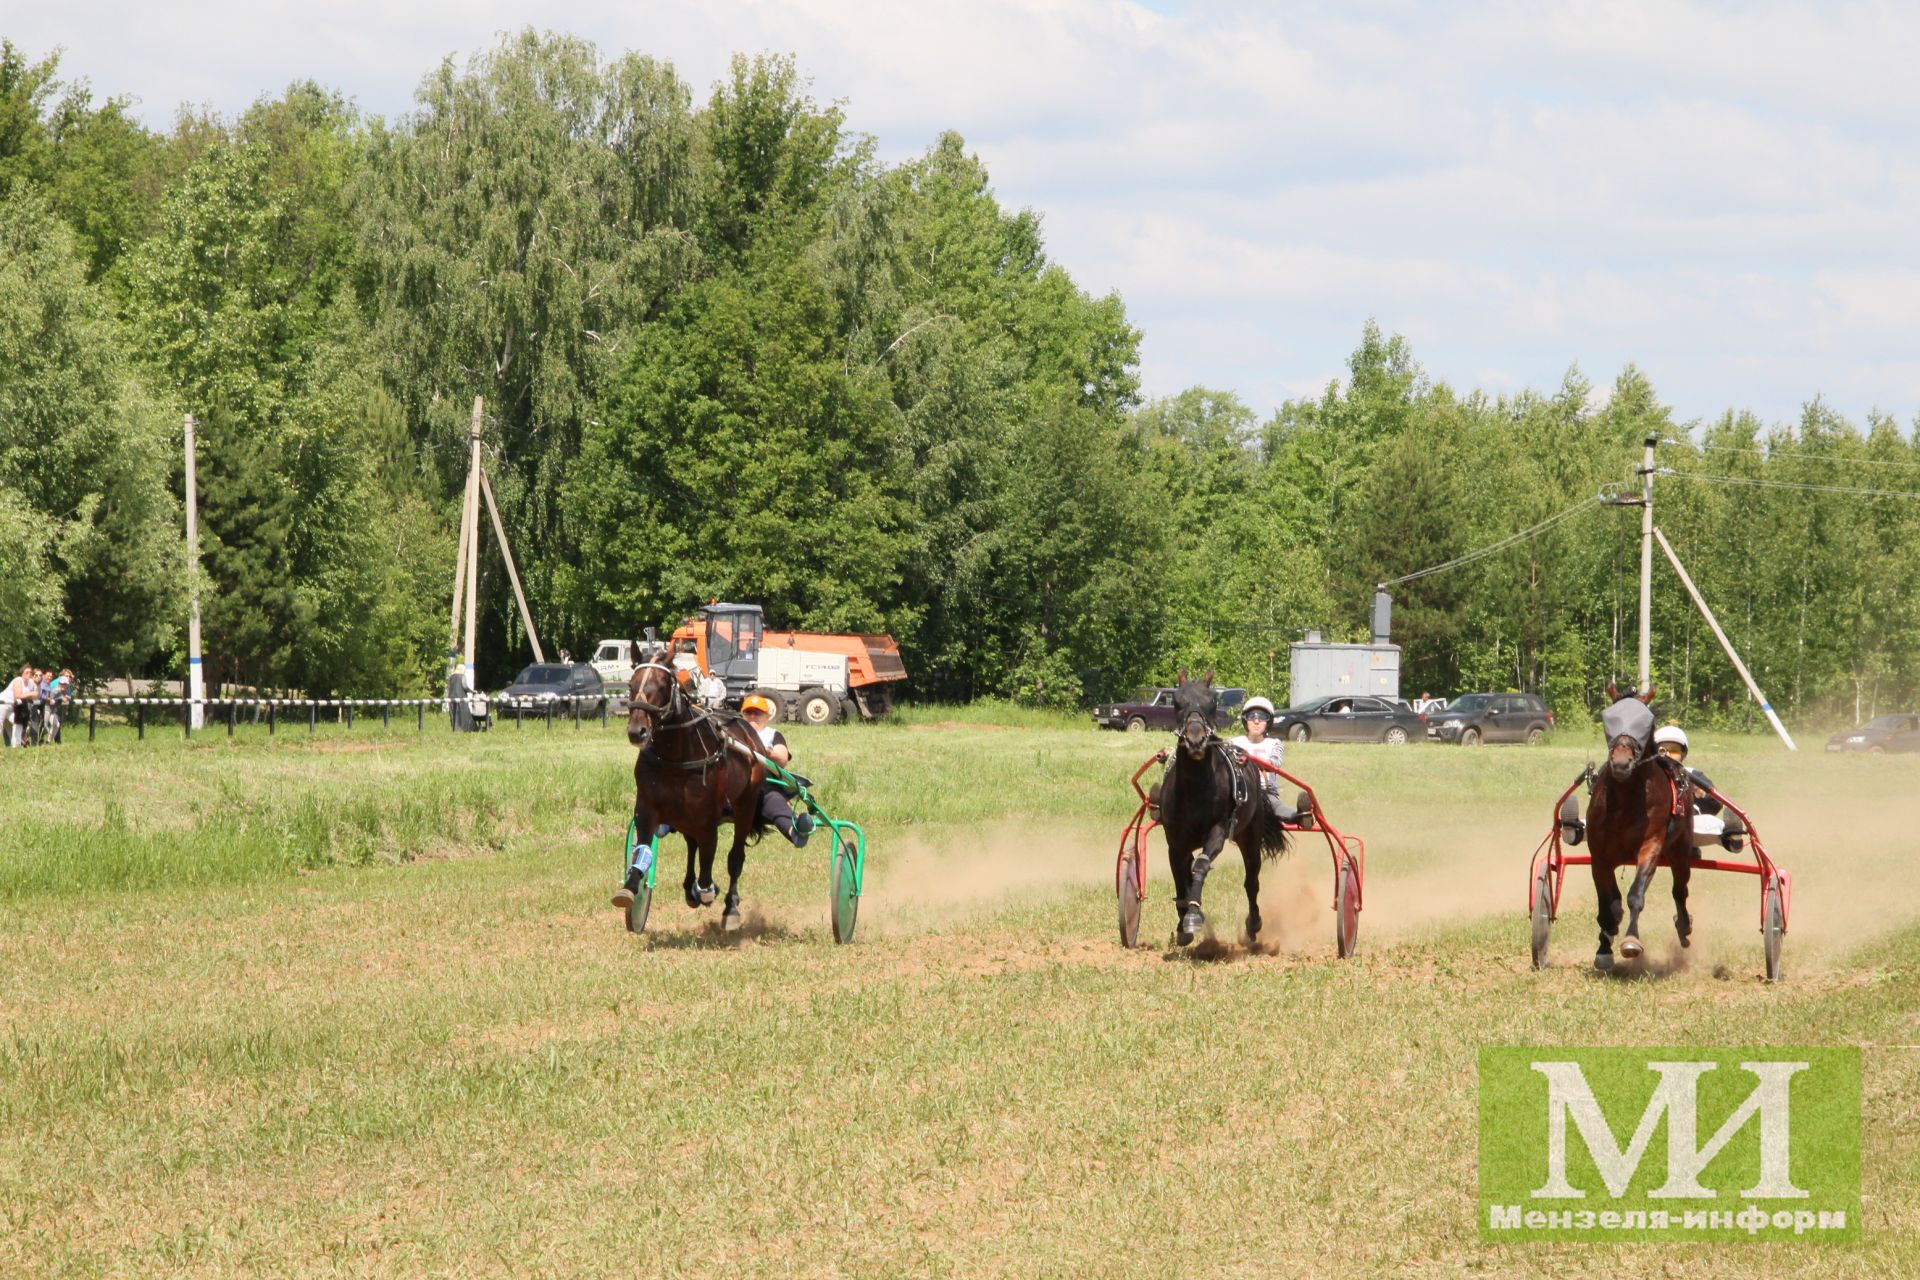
(1257,716)
(22,691)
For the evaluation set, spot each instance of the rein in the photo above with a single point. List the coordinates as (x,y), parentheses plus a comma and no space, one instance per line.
(697,718)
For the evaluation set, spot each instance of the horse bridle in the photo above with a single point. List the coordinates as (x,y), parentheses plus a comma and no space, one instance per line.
(1205,742)
(697,716)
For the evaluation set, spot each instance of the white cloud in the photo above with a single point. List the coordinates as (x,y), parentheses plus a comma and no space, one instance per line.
(1723,195)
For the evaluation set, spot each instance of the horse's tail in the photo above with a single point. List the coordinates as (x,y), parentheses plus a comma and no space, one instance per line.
(1270,833)
(1273,834)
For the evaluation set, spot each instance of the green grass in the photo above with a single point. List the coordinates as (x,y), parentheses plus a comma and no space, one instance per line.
(356,1006)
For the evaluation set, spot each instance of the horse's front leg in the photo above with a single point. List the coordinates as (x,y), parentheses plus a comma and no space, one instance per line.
(1606,892)
(709,846)
(700,890)
(1192,919)
(1250,855)
(736,863)
(1180,862)
(1643,869)
(643,832)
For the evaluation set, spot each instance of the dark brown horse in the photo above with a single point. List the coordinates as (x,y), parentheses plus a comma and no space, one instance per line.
(1210,795)
(691,776)
(1640,812)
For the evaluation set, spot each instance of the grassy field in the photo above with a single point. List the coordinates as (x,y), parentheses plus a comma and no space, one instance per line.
(356,1005)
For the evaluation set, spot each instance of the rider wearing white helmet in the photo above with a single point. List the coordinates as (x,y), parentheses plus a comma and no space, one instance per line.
(1670,740)
(1257,714)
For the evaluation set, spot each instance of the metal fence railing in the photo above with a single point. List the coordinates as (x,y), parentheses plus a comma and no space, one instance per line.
(314,712)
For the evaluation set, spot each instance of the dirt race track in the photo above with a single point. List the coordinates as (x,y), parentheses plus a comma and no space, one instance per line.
(421,1044)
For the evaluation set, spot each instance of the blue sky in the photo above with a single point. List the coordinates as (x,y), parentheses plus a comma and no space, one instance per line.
(1724,194)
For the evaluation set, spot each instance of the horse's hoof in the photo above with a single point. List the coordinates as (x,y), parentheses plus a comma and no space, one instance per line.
(1631,948)
(707,893)
(730,921)
(692,897)
(1603,961)
(1685,930)
(1191,924)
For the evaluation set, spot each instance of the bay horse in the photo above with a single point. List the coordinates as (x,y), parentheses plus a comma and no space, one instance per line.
(689,778)
(1640,812)
(1209,795)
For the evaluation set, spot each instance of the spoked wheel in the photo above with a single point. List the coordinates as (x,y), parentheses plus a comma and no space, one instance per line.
(1346,907)
(1542,914)
(845,889)
(643,896)
(1773,927)
(1128,891)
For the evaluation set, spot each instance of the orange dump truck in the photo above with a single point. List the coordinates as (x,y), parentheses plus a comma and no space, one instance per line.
(811,677)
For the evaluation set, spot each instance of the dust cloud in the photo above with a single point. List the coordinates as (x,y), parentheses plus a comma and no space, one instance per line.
(1846,828)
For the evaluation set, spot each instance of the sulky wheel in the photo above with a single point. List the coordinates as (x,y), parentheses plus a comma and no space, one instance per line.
(1128,891)
(845,901)
(643,896)
(1773,927)
(1542,914)
(1346,908)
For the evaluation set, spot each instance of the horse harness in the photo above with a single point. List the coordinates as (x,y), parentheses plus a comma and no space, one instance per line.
(1234,757)
(698,718)
(1678,779)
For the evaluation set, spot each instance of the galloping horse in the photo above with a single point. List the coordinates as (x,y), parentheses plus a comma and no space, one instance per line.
(1210,794)
(689,778)
(1640,812)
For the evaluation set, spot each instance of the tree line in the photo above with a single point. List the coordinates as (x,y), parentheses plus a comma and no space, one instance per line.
(727,352)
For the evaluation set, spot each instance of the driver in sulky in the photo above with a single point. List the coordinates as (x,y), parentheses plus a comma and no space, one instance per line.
(758,710)
(1256,718)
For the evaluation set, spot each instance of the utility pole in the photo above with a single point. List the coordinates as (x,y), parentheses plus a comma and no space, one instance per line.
(513,575)
(473,535)
(1700,601)
(196,678)
(1646,565)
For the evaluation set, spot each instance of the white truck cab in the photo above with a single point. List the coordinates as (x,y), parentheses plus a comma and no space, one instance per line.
(613,659)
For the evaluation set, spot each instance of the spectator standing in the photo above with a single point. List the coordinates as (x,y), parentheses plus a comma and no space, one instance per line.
(59,694)
(25,690)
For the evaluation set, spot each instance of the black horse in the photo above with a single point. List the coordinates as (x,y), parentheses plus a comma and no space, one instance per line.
(1211,794)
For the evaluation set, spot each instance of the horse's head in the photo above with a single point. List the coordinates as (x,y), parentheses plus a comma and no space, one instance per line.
(654,694)
(1194,704)
(1628,725)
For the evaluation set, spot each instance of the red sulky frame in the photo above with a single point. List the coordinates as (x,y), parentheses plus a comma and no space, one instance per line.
(1349,855)
(1551,861)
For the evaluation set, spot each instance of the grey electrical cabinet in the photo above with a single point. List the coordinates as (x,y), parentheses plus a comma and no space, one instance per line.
(1321,670)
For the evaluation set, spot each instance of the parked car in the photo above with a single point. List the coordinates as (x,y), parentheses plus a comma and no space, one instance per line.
(1473,718)
(1351,718)
(1885,733)
(548,682)
(1153,709)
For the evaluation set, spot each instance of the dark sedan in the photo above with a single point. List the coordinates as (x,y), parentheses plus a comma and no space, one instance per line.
(545,682)
(1887,733)
(1153,709)
(1351,718)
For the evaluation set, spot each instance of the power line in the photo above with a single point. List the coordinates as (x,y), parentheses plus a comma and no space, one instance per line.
(1770,454)
(1752,483)
(1497,547)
